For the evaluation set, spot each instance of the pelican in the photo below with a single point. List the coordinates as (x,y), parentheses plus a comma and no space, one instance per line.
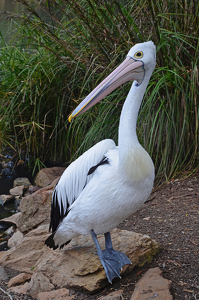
(108,183)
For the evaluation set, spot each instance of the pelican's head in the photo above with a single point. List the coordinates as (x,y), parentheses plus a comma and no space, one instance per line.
(146,53)
(140,61)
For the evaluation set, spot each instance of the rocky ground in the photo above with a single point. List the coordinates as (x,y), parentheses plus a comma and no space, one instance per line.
(171,217)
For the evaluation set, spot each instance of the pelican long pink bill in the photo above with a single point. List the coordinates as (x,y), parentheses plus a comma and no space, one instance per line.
(129,70)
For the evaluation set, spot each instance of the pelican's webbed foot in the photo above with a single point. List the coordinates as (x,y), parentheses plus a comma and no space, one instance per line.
(111,260)
(120,257)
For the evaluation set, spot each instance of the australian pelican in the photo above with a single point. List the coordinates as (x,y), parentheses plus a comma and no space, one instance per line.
(107,183)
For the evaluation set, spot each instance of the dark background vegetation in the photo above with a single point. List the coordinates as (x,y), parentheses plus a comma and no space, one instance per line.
(53,66)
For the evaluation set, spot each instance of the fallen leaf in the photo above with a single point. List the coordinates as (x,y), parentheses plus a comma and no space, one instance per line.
(147,218)
(189,291)
(138,273)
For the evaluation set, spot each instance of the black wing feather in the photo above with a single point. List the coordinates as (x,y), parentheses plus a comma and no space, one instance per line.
(57,212)
(57,215)
(102,162)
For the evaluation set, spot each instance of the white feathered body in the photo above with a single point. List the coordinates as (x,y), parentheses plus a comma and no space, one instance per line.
(108,197)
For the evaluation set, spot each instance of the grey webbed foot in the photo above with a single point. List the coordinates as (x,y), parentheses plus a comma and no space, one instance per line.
(111,265)
(111,260)
(120,257)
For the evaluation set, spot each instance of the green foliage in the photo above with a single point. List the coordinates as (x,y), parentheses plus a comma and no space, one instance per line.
(58,62)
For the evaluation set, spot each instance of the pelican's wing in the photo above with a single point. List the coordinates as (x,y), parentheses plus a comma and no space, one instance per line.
(75,178)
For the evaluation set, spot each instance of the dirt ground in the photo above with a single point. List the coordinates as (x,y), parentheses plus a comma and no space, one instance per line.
(171,217)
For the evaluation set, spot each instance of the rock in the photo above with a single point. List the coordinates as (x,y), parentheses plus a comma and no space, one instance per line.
(21,289)
(21,181)
(3,274)
(25,255)
(2,253)
(35,209)
(12,219)
(117,295)
(46,176)
(6,198)
(76,265)
(16,239)
(18,198)
(17,191)
(9,231)
(61,294)
(21,278)
(39,283)
(41,230)
(3,245)
(152,286)
(32,189)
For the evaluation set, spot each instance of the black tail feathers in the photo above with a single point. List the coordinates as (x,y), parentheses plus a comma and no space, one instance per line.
(50,241)
(51,244)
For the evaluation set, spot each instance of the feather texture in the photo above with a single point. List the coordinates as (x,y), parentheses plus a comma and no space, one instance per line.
(75,178)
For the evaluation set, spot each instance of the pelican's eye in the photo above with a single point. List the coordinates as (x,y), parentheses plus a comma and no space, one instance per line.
(138,54)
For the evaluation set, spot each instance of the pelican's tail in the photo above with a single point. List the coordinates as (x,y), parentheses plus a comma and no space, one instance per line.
(51,243)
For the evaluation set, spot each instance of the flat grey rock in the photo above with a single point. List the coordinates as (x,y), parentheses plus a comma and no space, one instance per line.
(3,274)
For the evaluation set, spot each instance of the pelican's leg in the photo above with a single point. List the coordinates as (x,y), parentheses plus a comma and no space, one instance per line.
(118,256)
(110,264)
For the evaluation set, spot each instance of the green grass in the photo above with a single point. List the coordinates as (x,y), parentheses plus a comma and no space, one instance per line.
(44,77)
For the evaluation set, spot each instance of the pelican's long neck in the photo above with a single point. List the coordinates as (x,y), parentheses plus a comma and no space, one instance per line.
(131,154)
(129,114)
